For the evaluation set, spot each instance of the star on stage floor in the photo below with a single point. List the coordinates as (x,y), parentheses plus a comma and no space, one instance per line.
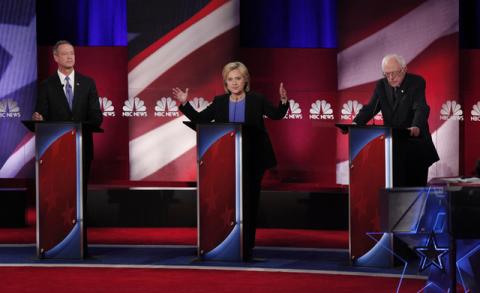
(431,254)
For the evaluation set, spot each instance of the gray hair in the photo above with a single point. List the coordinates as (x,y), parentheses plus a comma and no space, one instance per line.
(58,44)
(400,60)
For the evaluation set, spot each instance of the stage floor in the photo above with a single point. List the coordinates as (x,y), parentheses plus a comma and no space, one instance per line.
(325,261)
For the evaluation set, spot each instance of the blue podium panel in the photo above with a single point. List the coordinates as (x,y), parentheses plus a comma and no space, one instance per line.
(59,190)
(220,223)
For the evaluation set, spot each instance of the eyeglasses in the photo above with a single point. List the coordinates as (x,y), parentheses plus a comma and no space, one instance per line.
(393,74)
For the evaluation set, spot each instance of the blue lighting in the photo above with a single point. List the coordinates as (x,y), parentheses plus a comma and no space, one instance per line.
(288,23)
(102,23)
(381,250)
(83,22)
(431,254)
(468,253)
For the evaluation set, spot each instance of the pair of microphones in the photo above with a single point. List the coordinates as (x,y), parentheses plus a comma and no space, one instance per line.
(395,90)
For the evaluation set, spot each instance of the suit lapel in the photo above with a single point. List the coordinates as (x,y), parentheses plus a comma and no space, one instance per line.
(389,92)
(77,87)
(60,92)
(249,105)
(397,98)
(225,102)
(223,105)
(402,91)
(394,102)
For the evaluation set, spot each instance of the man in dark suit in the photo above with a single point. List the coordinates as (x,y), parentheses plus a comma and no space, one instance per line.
(70,96)
(401,98)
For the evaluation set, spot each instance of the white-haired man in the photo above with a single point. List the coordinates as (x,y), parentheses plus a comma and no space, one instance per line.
(401,98)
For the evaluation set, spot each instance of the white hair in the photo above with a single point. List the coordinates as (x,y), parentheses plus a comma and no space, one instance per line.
(400,60)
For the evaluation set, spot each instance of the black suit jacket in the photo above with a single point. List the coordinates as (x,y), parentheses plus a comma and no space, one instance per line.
(256,106)
(53,106)
(408,109)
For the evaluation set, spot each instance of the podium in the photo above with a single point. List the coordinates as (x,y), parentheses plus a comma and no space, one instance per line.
(220,191)
(59,188)
(436,224)
(375,163)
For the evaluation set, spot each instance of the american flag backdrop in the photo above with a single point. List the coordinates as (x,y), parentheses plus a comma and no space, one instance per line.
(188,55)
(470,89)
(18,76)
(185,44)
(426,34)
(469,85)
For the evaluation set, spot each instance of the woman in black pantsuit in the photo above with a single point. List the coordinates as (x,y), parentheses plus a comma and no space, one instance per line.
(239,104)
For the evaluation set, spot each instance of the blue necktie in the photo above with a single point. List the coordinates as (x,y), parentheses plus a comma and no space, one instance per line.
(68,91)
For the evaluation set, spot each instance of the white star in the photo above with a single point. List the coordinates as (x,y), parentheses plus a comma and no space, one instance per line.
(20,42)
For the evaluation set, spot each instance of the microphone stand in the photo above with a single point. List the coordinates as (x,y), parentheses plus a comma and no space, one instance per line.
(375,110)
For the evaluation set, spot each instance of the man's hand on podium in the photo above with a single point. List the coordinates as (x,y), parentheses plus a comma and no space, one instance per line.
(414,131)
(37,116)
(345,130)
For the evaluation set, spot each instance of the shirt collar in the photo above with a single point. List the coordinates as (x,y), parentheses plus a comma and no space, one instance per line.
(62,76)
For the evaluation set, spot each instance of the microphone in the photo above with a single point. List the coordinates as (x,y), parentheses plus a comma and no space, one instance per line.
(375,110)
(234,112)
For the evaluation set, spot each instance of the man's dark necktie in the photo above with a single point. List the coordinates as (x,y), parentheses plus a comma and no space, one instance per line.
(396,94)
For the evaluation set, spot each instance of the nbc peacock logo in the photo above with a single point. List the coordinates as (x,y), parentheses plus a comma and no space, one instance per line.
(199,103)
(475,112)
(134,107)
(350,109)
(321,110)
(9,109)
(166,107)
(294,110)
(451,110)
(106,106)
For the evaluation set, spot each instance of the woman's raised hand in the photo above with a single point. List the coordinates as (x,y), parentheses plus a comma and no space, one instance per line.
(283,93)
(180,95)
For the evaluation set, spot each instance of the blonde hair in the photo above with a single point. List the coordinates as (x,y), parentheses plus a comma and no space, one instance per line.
(229,67)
